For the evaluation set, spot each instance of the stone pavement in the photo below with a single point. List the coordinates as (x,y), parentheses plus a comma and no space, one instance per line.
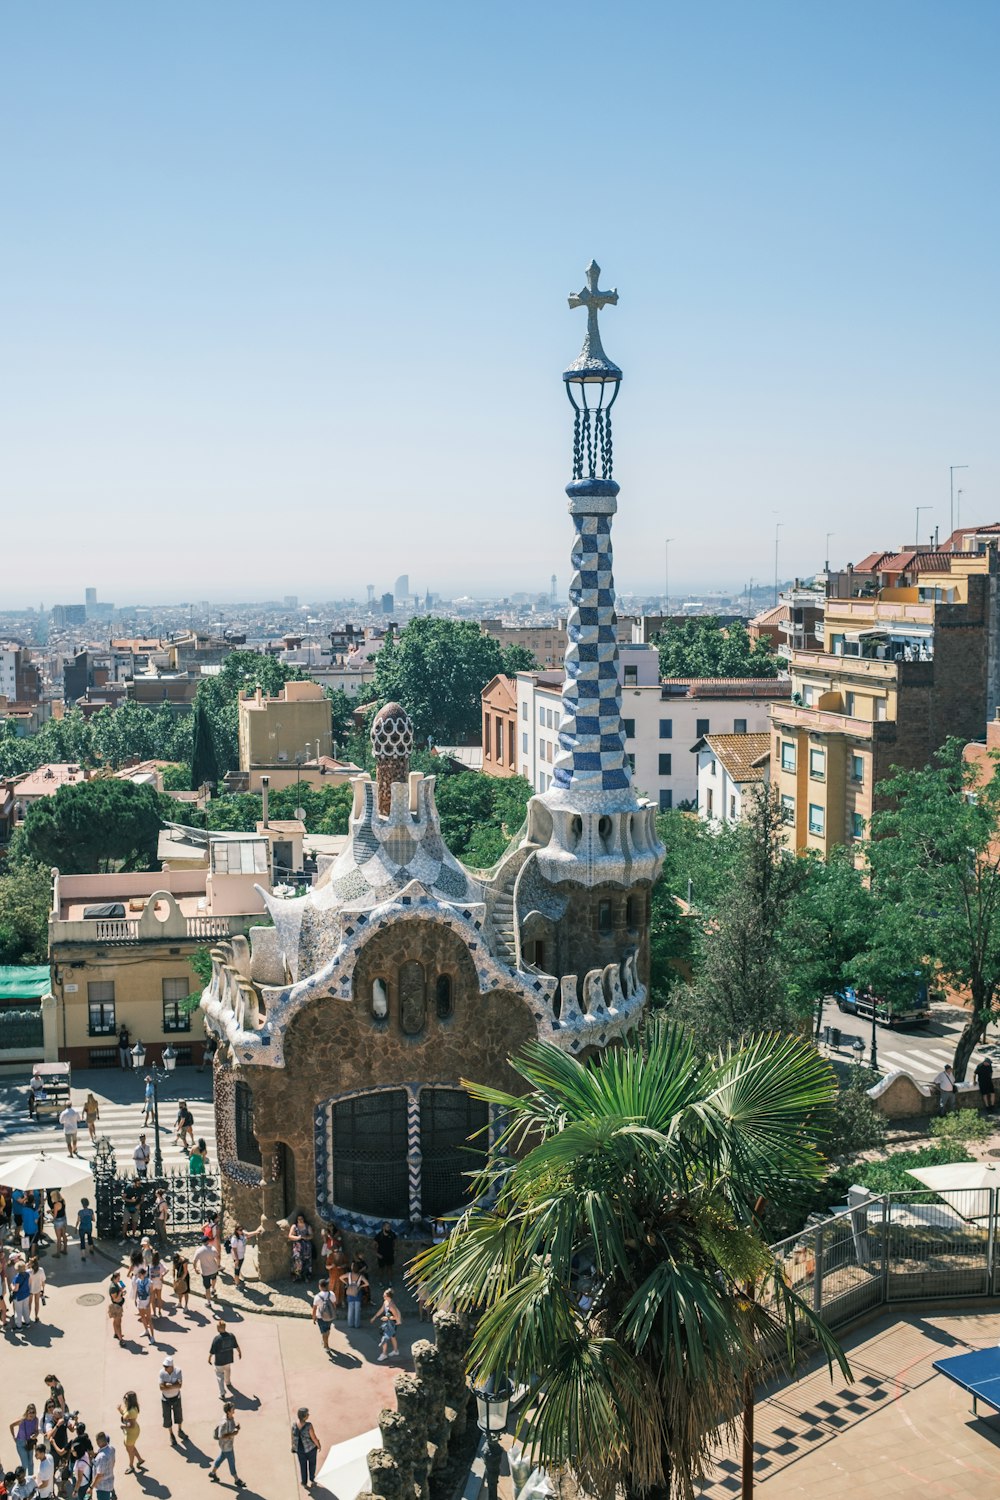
(283,1367)
(896,1431)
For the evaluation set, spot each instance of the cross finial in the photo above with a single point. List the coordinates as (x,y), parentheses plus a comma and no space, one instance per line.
(592,355)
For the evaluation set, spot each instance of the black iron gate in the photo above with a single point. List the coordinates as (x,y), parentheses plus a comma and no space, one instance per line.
(189,1198)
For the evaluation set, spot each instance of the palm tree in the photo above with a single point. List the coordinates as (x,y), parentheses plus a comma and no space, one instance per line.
(651,1164)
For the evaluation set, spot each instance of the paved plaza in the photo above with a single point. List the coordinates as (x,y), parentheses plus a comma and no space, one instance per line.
(897,1431)
(283,1365)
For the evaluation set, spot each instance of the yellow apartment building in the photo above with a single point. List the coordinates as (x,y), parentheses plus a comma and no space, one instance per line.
(910,656)
(296,724)
(120,948)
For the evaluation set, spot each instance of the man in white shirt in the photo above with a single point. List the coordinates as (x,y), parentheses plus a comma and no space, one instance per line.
(206,1262)
(104,1469)
(45,1471)
(171,1380)
(69,1120)
(141,1157)
(947,1090)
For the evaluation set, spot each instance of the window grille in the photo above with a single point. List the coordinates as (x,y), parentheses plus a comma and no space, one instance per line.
(448,1120)
(370,1172)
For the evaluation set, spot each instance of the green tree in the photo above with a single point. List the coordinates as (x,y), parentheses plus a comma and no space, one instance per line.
(437,670)
(105,824)
(218,696)
(830,931)
(25,901)
(516,659)
(701,647)
(479,814)
(176,778)
(649,1165)
(342,707)
(935,868)
(742,985)
(204,759)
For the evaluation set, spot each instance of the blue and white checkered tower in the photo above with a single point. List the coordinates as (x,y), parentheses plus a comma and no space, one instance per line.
(597,820)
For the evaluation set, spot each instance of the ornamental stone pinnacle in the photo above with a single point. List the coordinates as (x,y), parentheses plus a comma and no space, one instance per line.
(592,362)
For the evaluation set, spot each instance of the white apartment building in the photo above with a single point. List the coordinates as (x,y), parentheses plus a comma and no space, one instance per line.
(8,672)
(729,767)
(663,722)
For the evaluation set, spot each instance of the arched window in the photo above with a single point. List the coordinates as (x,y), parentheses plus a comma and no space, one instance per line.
(380,999)
(442,996)
(449,1118)
(247,1148)
(370,1172)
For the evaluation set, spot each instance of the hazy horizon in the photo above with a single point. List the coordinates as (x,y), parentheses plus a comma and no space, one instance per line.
(284,289)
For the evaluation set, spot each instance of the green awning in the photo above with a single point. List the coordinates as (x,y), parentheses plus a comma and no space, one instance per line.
(24,982)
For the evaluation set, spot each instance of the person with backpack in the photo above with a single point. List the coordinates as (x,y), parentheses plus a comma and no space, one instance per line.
(85,1228)
(324,1310)
(225,1436)
(116,1304)
(143,1288)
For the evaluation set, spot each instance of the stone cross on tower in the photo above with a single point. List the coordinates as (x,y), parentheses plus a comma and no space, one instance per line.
(592,354)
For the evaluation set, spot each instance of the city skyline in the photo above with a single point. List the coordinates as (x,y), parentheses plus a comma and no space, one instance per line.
(297,284)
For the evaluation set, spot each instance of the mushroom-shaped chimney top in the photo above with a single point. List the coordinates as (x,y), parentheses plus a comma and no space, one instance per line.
(392,742)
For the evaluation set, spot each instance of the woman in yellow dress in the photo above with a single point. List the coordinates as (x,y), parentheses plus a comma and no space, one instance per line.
(129,1413)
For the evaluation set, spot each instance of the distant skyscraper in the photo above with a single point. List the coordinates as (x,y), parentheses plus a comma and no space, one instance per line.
(402,589)
(553,591)
(291,601)
(91,597)
(371,593)
(387,602)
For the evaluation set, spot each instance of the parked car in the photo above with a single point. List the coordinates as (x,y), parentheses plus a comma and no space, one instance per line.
(914,1010)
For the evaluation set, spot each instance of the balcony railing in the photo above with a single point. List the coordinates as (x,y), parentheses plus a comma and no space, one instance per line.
(124,931)
(790,716)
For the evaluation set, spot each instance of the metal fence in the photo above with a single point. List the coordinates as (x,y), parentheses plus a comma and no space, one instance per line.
(21,1027)
(913,1246)
(189,1198)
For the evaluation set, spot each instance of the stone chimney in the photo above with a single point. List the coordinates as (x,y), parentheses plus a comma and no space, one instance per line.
(392,742)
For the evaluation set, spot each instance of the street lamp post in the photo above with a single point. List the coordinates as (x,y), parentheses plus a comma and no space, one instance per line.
(492,1405)
(951,489)
(874,1052)
(158,1076)
(666,575)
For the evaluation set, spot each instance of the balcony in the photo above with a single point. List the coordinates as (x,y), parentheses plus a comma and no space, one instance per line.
(823,720)
(856,613)
(120,932)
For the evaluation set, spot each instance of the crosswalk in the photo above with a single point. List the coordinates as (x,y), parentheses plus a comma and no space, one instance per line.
(121,1123)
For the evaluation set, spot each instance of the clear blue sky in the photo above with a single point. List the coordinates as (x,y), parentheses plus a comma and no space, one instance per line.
(283,287)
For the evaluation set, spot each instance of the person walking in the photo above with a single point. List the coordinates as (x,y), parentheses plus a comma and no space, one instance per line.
(182,1281)
(197,1167)
(161,1212)
(220,1354)
(147,1108)
(116,1304)
(140,1157)
(305,1446)
(85,1228)
(206,1262)
(124,1055)
(354,1290)
(389,1317)
(143,1289)
(171,1381)
(128,1410)
(324,1310)
(91,1113)
(156,1285)
(24,1431)
(985,1083)
(104,1469)
(70,1122)
(184,1126)
(225,1436)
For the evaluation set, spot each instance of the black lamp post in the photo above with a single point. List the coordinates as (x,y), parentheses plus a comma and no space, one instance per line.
(493,1404)
(874,1052)
(158,1076)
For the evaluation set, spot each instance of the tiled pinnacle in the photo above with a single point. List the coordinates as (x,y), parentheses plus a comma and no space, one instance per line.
(591,734)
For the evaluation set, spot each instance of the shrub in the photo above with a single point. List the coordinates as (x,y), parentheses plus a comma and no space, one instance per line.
(855,1125)
(962,1125)
(890,1174)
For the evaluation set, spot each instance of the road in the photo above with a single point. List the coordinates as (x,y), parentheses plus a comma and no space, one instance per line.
(921,1050)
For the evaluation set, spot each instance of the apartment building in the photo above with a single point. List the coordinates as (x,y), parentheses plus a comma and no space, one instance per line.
(663,722)
(730,768)
(910,655)
(120,945)
(499,700)
(547,643)
(296,724)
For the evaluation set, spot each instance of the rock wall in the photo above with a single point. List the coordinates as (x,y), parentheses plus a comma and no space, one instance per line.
(431,1414)
(900,1097)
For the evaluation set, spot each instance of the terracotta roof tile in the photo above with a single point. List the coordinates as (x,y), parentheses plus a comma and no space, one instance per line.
(740,754)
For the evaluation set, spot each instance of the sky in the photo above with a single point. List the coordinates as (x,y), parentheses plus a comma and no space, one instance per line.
(283,288)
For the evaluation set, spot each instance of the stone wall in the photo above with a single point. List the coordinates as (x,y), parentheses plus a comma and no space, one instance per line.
(430,1417)
(335,1047)
(900,1097)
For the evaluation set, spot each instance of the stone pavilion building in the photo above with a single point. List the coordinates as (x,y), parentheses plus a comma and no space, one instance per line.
(346,1029)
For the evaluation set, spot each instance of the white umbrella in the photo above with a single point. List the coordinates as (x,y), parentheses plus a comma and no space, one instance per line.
(38,1171)
(345,1471)
(973,1179)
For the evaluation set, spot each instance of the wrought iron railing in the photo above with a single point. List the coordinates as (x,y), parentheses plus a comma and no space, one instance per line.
(190,1197)
(912,1246)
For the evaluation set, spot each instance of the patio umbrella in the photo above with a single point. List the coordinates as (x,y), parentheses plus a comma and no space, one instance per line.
(38,1171)
(345,1471)
(969,1180)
